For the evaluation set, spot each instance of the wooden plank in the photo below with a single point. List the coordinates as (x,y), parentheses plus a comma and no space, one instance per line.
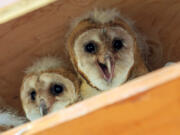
(145,106)
(4,3)
(15,8)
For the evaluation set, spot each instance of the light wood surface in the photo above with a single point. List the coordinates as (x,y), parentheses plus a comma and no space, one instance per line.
(10,9)
(140,107)
(42,32)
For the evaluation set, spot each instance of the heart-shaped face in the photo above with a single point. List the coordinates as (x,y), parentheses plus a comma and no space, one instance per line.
(47,91)
(104,51)
(105,56)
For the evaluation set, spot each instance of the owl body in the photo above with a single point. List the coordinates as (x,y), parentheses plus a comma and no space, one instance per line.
(9,117)
(86,90)
(170,63)
(49,85)
(105,50)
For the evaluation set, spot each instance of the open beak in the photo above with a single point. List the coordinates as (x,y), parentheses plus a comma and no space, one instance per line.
(43,108)
(107,68)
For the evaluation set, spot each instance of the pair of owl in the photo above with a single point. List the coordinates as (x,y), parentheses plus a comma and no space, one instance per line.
(105,52)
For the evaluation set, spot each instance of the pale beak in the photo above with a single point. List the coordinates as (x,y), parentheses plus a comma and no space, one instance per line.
(107,68)
(43,108)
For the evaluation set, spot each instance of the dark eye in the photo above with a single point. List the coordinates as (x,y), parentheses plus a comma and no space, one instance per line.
(90,47)
(56,89)
(33,95)
(117,44)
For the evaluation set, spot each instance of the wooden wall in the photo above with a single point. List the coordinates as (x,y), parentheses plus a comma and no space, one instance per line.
(42,32)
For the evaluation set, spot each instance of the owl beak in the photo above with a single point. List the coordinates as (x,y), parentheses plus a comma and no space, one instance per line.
(43,108)
(107,68)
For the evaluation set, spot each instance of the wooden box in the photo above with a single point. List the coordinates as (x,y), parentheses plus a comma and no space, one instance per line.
(144,106)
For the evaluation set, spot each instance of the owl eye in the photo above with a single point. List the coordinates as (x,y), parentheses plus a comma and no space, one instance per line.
(90,47)
(56,89)
(117,44)
(33,95)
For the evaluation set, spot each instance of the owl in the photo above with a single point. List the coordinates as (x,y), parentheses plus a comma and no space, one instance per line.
(106,51)
(50,84)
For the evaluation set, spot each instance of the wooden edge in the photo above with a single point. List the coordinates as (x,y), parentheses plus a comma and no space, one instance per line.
(21,7)
(123,92)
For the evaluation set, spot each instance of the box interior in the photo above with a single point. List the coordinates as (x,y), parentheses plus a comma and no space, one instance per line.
(43,32)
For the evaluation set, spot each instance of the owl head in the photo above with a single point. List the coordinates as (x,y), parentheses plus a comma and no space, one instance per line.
(49,85)
(104,49)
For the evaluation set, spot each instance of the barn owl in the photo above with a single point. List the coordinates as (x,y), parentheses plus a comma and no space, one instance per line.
(49,85)
(105,50)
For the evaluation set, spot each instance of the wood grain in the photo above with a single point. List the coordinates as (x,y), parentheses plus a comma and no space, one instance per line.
(139,107)
(42,32)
